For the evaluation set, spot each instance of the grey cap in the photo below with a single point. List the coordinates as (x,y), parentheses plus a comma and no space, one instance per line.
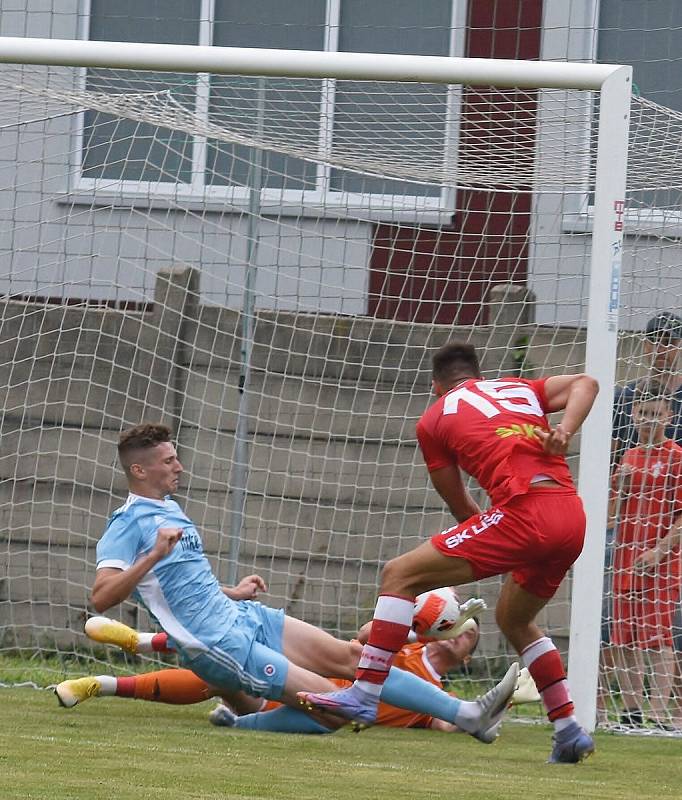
(664,324)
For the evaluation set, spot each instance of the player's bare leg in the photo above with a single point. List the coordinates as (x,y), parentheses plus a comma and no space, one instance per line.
(515,614)
(629,661)
(317,651)
(662,668)
(676,709)
(422,569)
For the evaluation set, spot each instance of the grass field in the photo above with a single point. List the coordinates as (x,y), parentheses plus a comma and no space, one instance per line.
(129,750)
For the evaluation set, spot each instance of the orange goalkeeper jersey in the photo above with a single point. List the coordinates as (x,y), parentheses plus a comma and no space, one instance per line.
(412,658)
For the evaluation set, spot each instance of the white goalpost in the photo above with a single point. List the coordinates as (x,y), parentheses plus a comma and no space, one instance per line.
(236,241)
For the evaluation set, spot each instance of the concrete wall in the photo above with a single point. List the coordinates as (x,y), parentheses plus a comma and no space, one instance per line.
(336,485)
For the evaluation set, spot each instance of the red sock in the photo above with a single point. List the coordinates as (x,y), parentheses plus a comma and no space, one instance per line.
(160,643)
(125,687)
(390,626)
(547,670)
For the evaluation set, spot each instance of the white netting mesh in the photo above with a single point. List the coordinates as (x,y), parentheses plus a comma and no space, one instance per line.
(495,149)
(162,245)
(394,131)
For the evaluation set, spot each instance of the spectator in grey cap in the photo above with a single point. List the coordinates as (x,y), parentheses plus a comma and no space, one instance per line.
(661,347)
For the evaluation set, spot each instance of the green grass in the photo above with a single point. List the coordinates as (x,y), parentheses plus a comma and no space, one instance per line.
(130,750)
(44,670)
(39,669)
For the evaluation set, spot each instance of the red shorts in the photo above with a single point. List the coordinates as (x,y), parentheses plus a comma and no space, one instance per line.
(644,620)
(536,536)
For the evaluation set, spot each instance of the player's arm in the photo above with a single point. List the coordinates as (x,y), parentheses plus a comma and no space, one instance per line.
(574,395)
(445,474)
(622,425)
(613,511)
(112,586)
(248,588)
(620,487)
(448,482)
(664,547)
(674,538)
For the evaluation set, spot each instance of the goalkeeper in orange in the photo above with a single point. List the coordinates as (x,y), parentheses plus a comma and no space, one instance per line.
(429,661)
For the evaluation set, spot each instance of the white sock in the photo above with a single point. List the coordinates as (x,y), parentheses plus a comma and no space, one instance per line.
(108,684)
(468,716)
(144,643)
(563,722)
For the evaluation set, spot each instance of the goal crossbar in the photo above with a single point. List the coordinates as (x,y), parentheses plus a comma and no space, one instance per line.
(304,63)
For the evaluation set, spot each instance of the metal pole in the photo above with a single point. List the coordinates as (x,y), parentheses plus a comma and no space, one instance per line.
(240,471)
(303,63)
(600,362)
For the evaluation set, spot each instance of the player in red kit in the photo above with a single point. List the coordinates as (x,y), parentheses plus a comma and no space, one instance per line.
(497,431)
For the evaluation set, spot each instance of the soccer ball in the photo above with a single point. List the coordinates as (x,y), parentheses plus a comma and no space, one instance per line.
(436,613)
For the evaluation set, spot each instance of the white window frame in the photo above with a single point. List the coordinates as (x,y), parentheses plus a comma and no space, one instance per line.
(321,201)
(578,216)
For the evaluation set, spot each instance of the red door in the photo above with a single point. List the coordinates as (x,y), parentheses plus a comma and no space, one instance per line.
(442,274)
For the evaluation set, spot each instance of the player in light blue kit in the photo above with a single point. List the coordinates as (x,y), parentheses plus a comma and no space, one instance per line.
(151,549)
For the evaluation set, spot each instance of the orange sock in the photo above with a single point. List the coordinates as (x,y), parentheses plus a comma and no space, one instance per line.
(175,686)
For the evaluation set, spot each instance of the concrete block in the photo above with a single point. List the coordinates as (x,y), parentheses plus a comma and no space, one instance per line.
(86,457)
(285,404)
(345,471)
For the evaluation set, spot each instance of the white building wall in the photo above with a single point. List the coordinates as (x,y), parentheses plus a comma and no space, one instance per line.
(55,242)
(558,270)
(50,246)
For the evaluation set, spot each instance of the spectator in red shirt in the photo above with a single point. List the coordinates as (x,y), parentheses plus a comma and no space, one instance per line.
(647,502)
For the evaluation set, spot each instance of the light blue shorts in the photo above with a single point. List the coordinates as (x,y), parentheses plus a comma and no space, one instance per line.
(249,657)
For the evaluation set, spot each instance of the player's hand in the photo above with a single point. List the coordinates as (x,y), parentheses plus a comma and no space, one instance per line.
(554,441)
(647,561)
(248,588)
(622,478)
(363,634)
(166,539)
(467,611)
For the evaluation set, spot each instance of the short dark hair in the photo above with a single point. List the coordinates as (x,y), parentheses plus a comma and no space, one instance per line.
(141,437)
(664,325)
(453,361)
(647,391)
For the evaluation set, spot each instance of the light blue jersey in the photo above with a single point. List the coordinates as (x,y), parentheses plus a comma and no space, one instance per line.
(180,591)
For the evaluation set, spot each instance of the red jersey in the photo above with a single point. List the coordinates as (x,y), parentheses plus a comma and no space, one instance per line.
(652,481)
(488,429)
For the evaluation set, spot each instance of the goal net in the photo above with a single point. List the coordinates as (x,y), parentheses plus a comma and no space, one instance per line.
(267,265)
